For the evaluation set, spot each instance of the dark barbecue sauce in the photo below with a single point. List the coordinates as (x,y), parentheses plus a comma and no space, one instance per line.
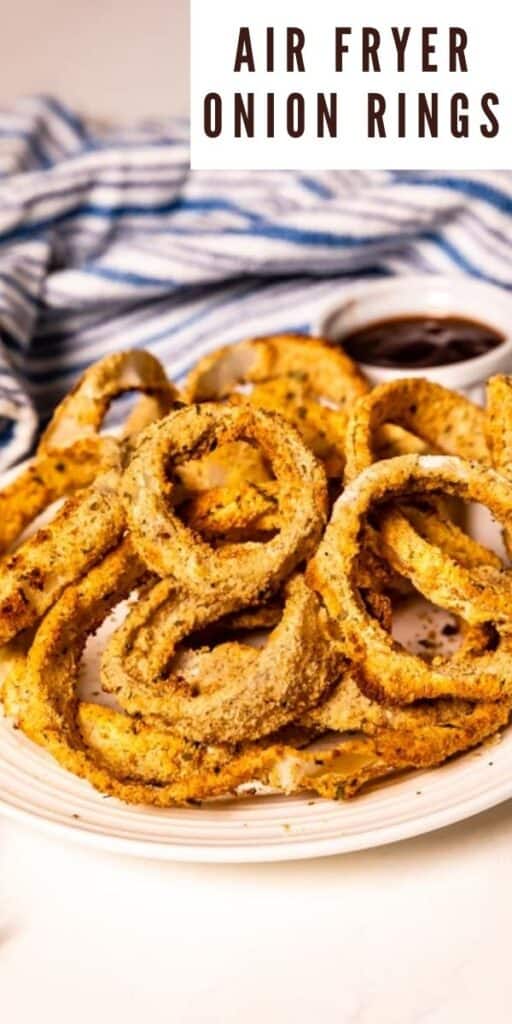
(417,341)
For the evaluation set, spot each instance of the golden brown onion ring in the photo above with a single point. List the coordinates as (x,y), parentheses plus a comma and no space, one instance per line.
(390,673)
(227,693)
(82,411)
(348,708)
(499,422)
(71,454)
(440,419)
(420,735)
(169,547)
(499,430)
(322,428)
(472,583)
(229,493)
(308,381)
(448,422)
(181,773)
(417,743)
(330,373)
(431,520)
(48,478)
(229,466)
(89,524)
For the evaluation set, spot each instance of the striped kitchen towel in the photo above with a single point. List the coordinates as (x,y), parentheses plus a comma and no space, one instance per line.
(108,240)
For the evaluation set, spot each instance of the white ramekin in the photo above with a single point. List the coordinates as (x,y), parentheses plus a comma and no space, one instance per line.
(412,295)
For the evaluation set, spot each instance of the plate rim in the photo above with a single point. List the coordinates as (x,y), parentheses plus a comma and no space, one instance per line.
(309,849)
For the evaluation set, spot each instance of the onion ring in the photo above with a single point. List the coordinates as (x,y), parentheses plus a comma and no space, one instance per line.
(347,708)
(454,571)
(308,381)
(48,478)
(322,429)
(413,744)
(71,453)
(330,373)
(169,547)
(126,757)
(89,524)
(448,422)
(234,513)
(499,431)
(499,422)
(229,494)
(229,693)
(229,466)
(181,774)
(83,410)
(389,672)
(441,420)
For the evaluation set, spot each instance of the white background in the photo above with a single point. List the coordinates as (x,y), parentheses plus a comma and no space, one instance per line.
(215,28)
(417,933)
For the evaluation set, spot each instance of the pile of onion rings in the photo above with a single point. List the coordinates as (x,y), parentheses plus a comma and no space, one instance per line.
(264,523)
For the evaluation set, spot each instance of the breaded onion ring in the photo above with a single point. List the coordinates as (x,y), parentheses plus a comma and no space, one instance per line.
(411,742)
(449,568)
(169,547)
(330,373)
(442,420)
(181,773)
(71,453)
(89,524)
(82,411)
(322,428)
(348,709)
(229,466)
(448,422)
(227,693)
(389,672)
(228,494)
(48,478)
(499,430)
(308,381)
(499,422)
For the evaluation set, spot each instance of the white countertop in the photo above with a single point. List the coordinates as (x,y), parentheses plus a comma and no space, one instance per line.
(414,933)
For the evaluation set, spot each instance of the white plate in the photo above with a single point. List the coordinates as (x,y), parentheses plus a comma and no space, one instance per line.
(266,828)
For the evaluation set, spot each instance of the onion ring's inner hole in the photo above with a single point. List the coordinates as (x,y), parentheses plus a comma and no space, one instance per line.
(242,471)
(424,629)
(120,410)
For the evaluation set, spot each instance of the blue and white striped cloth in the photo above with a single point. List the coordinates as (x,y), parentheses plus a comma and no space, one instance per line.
(108,240)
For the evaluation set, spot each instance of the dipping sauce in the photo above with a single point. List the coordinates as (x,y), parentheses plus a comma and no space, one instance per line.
(420,341)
